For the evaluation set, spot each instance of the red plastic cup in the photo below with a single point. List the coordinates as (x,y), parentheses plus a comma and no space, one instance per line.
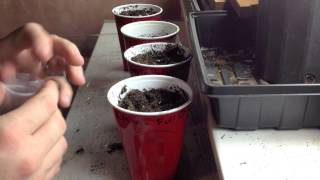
(152,140)
(179,70)
(149,31)
(122,20)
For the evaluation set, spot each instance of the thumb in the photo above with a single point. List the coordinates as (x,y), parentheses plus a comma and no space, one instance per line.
(38,109)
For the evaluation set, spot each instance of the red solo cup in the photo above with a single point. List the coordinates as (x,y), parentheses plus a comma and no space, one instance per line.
(149,31)
(179,70)
(152,140)
(122,20)
(138,32)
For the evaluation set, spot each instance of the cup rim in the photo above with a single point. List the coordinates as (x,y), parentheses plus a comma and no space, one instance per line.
(136,17)
(10,90)
(188,58)
(183,85)
(22,80)
(151,38)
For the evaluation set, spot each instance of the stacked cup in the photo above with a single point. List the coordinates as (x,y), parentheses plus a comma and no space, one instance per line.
(152,139)
(129,13)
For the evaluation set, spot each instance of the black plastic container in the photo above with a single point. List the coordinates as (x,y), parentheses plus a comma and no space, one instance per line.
(204,5)
(288,41)
(248,107)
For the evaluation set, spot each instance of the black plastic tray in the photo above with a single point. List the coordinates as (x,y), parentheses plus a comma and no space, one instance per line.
(207,5)
(247,107)
(210,29)
(202,5)
(288,41)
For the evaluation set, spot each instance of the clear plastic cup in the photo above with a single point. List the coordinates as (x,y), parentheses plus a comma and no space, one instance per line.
(18,90)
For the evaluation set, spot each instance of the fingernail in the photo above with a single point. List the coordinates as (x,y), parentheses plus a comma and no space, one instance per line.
(67,99)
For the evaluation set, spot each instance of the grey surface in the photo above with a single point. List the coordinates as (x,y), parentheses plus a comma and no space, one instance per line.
(91,125)
(92,117)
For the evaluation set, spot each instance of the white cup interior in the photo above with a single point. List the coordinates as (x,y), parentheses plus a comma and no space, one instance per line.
(115,93)
(117,10)
(158,46)
(143,29)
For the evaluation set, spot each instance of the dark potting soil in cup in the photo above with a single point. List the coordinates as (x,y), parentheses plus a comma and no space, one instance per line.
(170,55)
(153,35)
(134,11)
(153,100)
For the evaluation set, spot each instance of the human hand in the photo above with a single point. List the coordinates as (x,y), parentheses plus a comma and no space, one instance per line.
(30,48)
(31,137)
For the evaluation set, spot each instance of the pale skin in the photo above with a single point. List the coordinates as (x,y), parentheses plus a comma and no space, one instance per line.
(32,141)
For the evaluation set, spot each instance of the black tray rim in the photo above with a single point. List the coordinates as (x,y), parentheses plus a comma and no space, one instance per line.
(195,6)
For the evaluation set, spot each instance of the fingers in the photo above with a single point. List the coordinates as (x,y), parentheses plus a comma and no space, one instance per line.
(76,75)
(24,49)
(43,47)
(7,71)
(25,62)
(73,59)
(49,134)
(33,36)
(30,36)
(55,156)
(56,65)
(68,50)
(53,171)
(65,94)
(51,144)
(36,111)
(52,162)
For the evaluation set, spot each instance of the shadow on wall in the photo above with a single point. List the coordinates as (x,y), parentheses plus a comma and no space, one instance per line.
(73,19)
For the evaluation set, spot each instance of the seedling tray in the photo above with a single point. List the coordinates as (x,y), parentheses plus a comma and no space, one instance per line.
(239,98)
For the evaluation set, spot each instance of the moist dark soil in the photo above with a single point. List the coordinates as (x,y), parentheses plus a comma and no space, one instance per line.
(223,56)
(170,55)
(153,35)
(97,167)
(133,11)
(114,147)
(80,151)
(154,100)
